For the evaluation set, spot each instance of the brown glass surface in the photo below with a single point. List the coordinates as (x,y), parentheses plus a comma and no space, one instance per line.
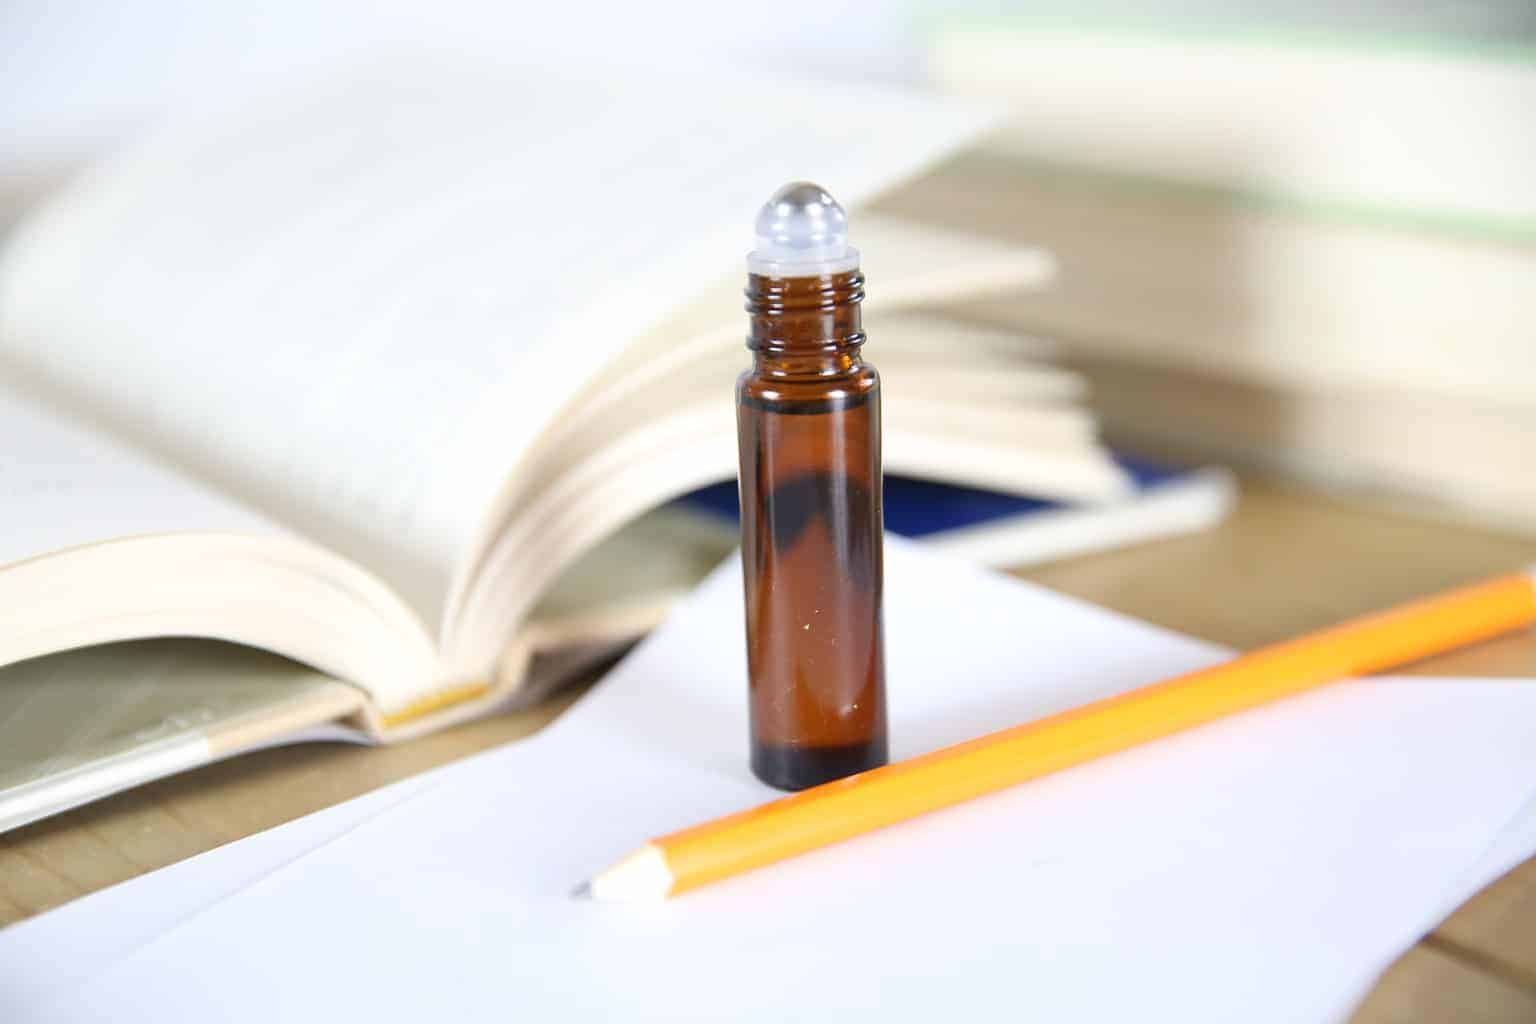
(808,416)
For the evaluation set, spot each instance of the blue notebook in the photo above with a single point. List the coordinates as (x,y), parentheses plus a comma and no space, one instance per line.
(1014,530)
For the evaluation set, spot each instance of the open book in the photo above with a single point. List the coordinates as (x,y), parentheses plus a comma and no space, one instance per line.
(373,374)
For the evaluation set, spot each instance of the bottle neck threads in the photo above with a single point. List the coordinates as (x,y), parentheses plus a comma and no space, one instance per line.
(805,326)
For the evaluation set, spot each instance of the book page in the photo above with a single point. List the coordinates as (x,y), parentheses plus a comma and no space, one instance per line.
(63,485)
(100,541)
(1177,868)
(355,305)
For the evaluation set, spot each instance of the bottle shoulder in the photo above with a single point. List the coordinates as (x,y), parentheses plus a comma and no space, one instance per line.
(857,387)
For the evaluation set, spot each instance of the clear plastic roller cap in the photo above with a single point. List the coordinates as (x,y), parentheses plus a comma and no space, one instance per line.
(802,232)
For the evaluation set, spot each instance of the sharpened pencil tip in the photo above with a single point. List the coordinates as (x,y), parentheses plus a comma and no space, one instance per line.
(643,875)
(582,891)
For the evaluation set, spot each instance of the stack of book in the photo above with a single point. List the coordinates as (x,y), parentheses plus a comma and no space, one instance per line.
(1312,247)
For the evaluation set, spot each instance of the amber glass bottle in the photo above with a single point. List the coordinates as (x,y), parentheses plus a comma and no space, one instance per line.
(808,414)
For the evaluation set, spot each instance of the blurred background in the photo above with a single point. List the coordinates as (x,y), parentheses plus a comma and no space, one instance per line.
(77,75)
(1291,235)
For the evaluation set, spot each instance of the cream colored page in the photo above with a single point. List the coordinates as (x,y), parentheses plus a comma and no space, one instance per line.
(355,306)
(907,264)
(100,542)
(62,485)
(692,358)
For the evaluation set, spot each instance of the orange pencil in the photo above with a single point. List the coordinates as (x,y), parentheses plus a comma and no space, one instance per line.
(862,803)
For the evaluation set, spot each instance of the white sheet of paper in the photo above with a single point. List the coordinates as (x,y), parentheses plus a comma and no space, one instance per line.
(79,940)
(1263,868)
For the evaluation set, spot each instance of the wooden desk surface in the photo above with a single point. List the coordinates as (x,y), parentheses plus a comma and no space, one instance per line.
(1286,562)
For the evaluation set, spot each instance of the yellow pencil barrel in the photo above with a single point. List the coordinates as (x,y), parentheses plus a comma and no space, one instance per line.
(846,808)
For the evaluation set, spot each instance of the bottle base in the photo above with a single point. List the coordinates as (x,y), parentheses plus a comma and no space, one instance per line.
(795,768)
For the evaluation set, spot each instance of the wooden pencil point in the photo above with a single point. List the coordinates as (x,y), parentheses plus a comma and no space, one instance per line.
(642,875)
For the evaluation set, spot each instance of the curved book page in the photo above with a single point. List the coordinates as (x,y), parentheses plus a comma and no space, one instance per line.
(1017,429)
(995,418)
(99,543)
